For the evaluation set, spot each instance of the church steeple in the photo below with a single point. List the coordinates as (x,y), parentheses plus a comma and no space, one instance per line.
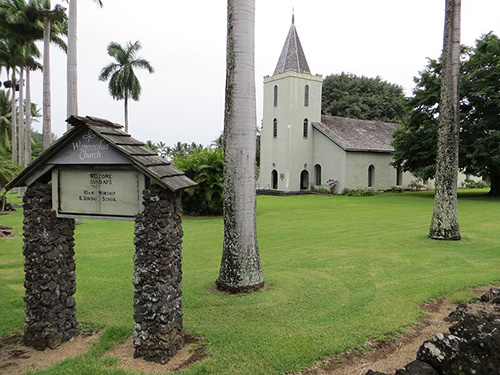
(292,56)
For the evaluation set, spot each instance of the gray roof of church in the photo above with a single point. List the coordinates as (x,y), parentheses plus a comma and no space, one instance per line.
(292,56)
(358,135)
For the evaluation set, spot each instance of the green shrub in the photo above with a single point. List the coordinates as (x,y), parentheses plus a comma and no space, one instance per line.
(471,184)
(358,192)
(320,190)
(397,189)
(205,167)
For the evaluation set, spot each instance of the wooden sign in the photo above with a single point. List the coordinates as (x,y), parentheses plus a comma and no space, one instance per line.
(97,193)
(88,148)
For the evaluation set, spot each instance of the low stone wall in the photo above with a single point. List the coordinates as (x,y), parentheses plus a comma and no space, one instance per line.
(471,348)
(50,313)
(158,277)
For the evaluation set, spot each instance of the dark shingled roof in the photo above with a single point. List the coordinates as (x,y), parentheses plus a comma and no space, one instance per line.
(357,135)
(292,56)
(144,159)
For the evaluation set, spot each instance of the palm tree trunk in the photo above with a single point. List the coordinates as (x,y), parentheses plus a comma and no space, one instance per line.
(72,68)
(444,225)
(126,113)
(240,266)
(47,126)
(14,117)
(21,118)
(27,133)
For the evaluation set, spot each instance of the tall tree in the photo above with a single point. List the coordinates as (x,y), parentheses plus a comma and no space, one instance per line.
(5,121)
(480,133)
(123,83)
(348,95)
(54,22)
(72,59)
(240,266)
(20,26)
(444,224)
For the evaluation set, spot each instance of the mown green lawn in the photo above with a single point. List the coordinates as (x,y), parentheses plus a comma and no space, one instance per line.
(338,270)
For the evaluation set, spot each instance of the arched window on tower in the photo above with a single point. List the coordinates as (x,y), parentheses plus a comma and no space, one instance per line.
(306,128)
(275,128)
(275,95)
(371,176)
(306,96)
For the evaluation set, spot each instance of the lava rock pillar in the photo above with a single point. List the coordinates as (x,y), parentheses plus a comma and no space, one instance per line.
(158,276)
(50,313)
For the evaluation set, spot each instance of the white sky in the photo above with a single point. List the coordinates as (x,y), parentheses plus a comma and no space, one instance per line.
(185,42)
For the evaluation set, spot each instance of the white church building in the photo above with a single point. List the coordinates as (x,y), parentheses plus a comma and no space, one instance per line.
(301,149)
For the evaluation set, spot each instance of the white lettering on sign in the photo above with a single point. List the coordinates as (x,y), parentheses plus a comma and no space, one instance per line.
(90,151)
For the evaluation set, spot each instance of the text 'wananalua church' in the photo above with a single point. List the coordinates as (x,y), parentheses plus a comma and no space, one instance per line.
(301,149)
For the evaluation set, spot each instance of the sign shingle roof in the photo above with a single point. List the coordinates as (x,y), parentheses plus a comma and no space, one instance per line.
(141,157)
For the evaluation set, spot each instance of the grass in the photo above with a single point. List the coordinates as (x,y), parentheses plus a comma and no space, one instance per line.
(338,270)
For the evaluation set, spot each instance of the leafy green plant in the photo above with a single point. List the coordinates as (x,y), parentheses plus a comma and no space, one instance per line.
(415,185)
(358,192)
(397,189)
(204,166)
(471,184)
(8,170)
(320,190)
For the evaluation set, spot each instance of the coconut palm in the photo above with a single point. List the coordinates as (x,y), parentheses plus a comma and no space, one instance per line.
(444,225)
(72,68)
(54,22)
(22,24)
(240,266)
(123,83)
(5,120)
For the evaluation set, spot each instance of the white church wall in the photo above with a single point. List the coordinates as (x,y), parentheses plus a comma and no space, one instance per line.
(357,167)
(332,160)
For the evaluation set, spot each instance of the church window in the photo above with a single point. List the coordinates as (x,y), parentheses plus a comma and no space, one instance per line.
(399,177)
(275,94)
(306,128)
(274,179)
(306,96)
(275,128)
(371,176)
(304,180)
(317,174)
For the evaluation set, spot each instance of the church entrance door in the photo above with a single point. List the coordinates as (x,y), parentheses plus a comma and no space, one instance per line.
(304,180)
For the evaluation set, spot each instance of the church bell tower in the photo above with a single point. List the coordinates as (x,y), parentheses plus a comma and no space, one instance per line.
(292,102)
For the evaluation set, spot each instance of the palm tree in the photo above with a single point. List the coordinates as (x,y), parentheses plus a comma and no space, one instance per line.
(5,120)
(444,225)
(123,83)
(240,266)
(72,68)
(54,23)
(22,24)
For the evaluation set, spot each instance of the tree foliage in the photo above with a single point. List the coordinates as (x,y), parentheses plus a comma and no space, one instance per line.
(415,143)
(205,166)
(123,83)
(348,95)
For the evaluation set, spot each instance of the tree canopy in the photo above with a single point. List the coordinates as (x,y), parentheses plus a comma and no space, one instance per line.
(415,142)
(348,95)
(123,83)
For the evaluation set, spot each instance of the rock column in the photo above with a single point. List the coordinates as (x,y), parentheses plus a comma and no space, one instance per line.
(158,277)
(50,313)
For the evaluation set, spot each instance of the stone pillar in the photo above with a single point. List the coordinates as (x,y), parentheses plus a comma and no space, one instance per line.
(50,313)
(158,277)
